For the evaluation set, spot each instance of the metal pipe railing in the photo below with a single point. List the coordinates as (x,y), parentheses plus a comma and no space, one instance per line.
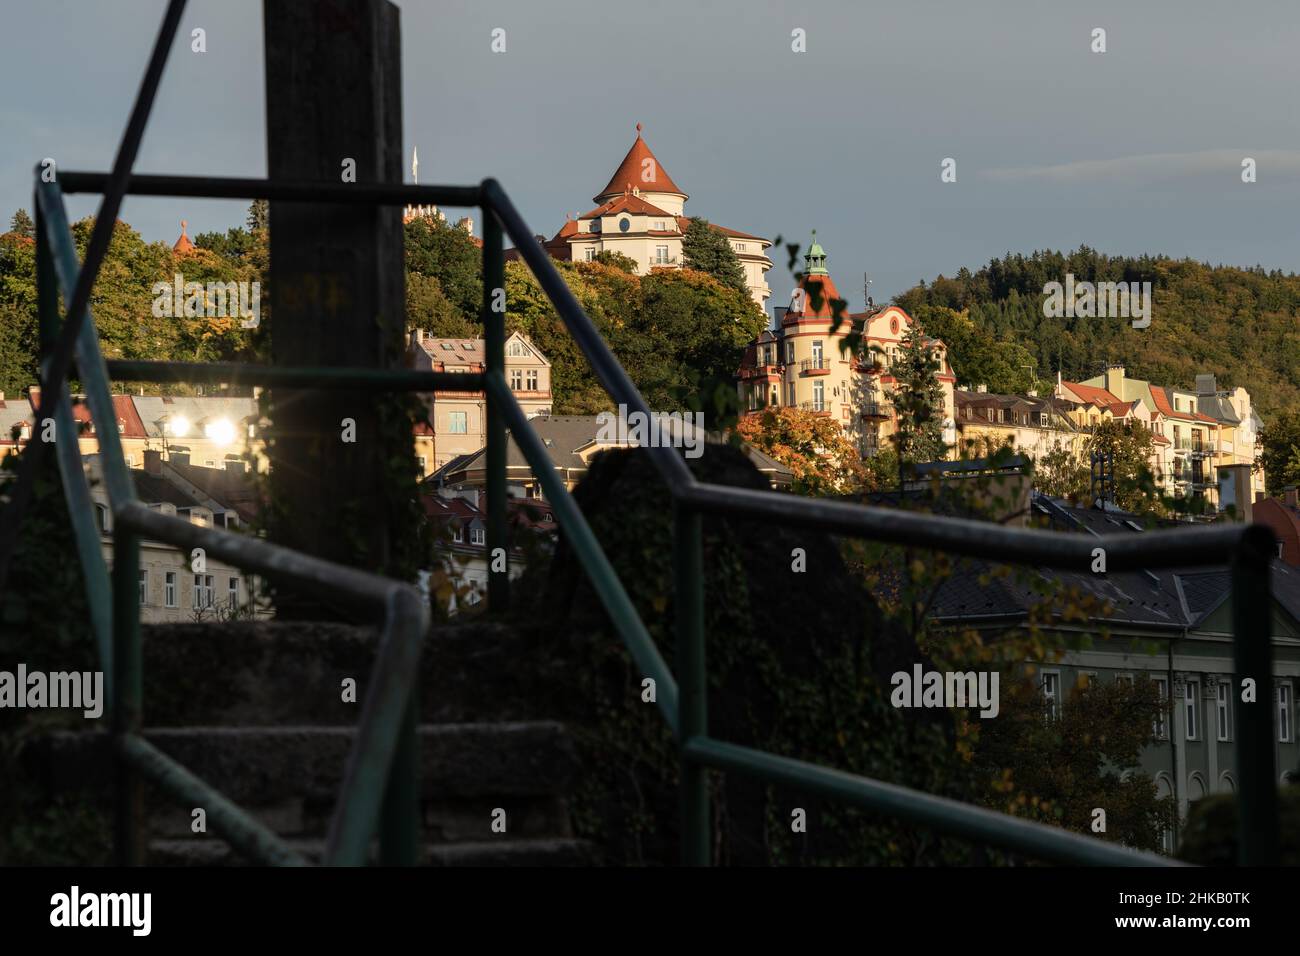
(685,712)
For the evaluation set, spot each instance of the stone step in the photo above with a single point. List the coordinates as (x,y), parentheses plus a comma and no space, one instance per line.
(272,767)
(505,851)
(262,673)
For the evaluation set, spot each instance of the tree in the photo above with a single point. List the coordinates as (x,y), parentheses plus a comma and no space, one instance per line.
(1280,452)
(1129,445)
(1059,768)
(1061,474)
(448,254)
(705,249)
(918,402)
(23,225)
(608,257)
(259,215)
(812,446)
(429,309)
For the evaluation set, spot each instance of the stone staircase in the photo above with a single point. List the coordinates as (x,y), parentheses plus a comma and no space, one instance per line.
(257,710)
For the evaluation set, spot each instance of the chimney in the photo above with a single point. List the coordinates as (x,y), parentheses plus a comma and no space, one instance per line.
(153,461)
(1291,496)
(34,396)
(179,457)
(1205,385)
(235,465)
(1115,380)
(1234,491)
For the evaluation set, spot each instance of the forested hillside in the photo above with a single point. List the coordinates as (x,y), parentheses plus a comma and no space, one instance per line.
(1242,325)
(676,332)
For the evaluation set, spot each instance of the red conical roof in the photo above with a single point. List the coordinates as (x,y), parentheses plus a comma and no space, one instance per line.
(630,172)
(183,244)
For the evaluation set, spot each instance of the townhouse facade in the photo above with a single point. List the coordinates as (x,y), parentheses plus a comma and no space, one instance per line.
(1026,423)
(641,214)
(1171,626)
(456,424)
(174,584)
(1197,432)
(801,362)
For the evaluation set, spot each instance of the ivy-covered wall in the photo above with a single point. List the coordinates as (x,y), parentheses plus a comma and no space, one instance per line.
(799,664)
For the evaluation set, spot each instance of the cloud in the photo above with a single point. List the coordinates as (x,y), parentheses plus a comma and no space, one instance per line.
(1273,164)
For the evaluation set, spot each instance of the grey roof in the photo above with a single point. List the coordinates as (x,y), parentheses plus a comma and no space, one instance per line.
(1218,407)
(154,489)
(199,409)
(564,436)
(1155,598)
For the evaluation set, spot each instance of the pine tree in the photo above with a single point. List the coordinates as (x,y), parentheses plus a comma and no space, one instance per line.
(707,250)
(919,402)
(22,224)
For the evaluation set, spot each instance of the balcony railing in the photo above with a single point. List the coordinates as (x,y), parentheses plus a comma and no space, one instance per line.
(821,408)
(877,410)
(815,366)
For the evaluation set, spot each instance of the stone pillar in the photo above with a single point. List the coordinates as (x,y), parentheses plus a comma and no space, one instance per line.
(337,293)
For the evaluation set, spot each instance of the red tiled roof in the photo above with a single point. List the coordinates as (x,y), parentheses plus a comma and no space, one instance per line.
(183,244)
(1160,395)
(625,203)
(1093,394)
(815,286)
(630,172)
(684,221)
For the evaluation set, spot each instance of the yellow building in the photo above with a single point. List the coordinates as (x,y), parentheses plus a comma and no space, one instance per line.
(457,422)
(641,214)
(800,363)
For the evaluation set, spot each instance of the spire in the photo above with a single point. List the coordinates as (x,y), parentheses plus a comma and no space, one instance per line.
(814,263)
(183,244)
(641,167)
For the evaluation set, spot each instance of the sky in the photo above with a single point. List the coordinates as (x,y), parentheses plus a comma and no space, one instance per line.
(1134,150)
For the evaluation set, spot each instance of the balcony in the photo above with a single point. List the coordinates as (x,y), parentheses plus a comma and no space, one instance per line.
(877,410)
(815,366)
(817,408)
(760,371)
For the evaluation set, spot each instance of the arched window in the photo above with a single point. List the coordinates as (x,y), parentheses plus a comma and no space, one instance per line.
(1196,788)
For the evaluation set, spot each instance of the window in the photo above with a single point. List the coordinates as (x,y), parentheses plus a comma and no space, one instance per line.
(458,423)
(789,353)
(169,589)
(1042,419)
(624,225)
(1125,679)
(477,536)
(1191,692)
(1158,729)
(516,379)
(531,380)
(1284,713)
(1222,698)
(517,349)
(819,396)
(740,247)
(817,354)
(419,463)
(232,592)
(203,591)
(1086,678)
(661,255)
(144,587)
(591,254)
(458,534)
(1051,685)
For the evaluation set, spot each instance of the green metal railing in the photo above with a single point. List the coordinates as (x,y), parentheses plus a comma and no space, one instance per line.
(379,788)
